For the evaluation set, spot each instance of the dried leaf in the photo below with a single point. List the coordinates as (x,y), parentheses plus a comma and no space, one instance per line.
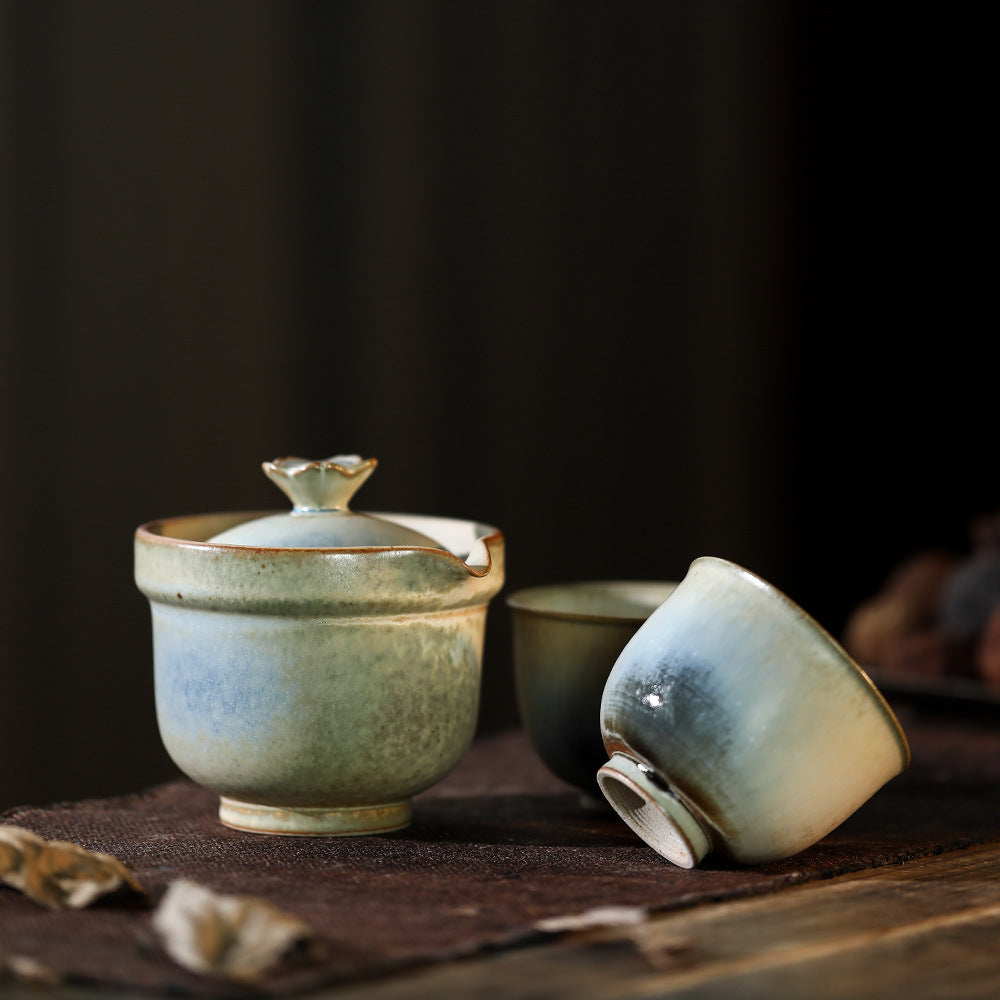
(57,874)
(233,937)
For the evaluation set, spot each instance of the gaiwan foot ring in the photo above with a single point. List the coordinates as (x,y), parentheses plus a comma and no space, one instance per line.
(315,822)
(653,810)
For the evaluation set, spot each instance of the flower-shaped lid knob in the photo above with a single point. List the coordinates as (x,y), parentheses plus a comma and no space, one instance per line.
(321,517)
(319,486)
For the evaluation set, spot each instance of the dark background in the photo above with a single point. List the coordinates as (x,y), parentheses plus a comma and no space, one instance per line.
(635,282)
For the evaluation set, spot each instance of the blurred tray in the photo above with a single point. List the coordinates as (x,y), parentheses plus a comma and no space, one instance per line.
(953,692)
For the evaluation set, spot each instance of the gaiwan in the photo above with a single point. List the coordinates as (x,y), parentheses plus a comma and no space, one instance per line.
(318,667)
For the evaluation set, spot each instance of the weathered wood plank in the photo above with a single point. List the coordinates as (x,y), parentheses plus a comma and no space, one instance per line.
(928,928)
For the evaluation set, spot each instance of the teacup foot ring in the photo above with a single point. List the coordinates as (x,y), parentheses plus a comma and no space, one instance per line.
(348,821)
(653,812)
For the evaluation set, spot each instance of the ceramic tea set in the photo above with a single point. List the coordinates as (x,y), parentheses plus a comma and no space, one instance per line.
(319,667)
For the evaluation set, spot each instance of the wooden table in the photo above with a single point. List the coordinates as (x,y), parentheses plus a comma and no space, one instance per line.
(929,928)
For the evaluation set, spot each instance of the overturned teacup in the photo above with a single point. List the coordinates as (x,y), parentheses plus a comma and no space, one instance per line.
(736,724)
(567,637)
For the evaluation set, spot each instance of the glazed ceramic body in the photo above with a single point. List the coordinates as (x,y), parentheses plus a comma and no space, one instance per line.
(316,690)
(566,640)
(735,723)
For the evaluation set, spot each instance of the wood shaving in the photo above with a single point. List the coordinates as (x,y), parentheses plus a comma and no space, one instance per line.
(57,874)
(232,937)
(602,916)
(29,971)
(666,953)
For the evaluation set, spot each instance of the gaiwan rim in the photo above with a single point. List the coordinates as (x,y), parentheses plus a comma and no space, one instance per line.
(155,532)
(365,582)
(849,662)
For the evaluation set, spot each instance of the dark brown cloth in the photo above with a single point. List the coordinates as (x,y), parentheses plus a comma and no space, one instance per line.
(495,848)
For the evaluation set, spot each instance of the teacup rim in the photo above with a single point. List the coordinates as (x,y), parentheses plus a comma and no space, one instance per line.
(516,599)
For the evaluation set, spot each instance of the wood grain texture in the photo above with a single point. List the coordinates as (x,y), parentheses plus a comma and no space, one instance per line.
(924,929)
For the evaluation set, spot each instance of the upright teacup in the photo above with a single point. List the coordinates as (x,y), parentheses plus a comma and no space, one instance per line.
(735,723)
(567,637)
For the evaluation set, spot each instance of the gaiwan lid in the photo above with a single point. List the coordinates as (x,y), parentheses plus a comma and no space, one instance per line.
(320,492)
